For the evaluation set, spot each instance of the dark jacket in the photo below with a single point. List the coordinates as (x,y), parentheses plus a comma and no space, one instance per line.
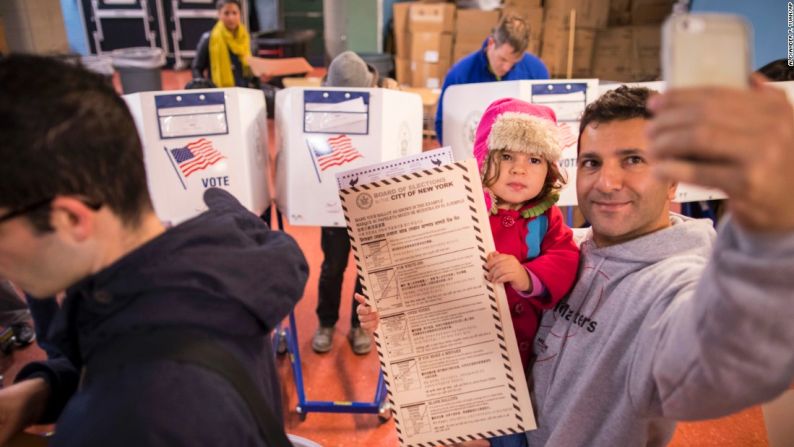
(223,273)
(201,63)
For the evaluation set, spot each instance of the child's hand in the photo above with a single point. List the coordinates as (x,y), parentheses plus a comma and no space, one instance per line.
(504,268)
(368,316)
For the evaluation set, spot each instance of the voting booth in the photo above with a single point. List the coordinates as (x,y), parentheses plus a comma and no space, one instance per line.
(464,105)
(197,139)
(321,131)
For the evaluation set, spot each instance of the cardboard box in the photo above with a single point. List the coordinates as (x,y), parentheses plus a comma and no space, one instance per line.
(402,70)
(612,57)
(555,51)
(647,49)
(619,13)
(435,17)
(463,49)
(400,11)
(648,12)
(473,25)
(430,47)
(302,82)
(429,75)
(628,53)
(429,96)
(522,4)
(591,14)
(429,103)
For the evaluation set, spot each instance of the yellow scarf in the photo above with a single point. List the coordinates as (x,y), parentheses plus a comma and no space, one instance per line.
(221,42)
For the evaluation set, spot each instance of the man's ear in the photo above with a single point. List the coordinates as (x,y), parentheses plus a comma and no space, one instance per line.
(672,190)
(72,218)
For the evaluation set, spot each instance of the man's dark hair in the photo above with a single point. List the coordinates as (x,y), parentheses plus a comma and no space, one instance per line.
(623,103)
(512,30)
(221,3)
(65,131)
(778,70)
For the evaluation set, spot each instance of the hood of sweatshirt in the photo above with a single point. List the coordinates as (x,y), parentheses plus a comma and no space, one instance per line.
(222,271)
(684,236)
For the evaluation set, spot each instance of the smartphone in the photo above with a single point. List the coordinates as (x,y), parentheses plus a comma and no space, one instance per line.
(706,49)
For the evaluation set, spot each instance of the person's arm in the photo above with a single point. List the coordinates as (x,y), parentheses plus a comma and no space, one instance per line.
(21,405)
(726,343)
(201,62)
(61,378)
(723,343)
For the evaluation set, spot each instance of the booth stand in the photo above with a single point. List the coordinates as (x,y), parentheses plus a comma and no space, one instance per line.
(319,132)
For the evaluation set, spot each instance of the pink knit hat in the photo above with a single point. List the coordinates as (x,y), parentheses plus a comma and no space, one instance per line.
(517,125)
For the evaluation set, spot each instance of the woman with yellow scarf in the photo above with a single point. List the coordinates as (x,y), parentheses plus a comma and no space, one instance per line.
(225,50)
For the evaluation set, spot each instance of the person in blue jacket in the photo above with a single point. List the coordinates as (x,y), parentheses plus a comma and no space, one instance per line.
(503,57)
(76,215)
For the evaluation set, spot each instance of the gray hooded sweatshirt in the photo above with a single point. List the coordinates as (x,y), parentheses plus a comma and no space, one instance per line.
(657,330)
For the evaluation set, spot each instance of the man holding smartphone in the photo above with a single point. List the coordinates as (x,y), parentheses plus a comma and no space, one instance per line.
(683,326)
(669,320)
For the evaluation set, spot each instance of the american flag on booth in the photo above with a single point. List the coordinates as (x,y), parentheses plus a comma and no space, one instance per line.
(334,151)
(196,156)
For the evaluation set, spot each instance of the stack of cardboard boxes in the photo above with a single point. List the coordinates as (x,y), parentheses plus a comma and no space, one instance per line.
(588,17)
(431,37)
(629,49)
(472,26)
(423,38)
(611,39)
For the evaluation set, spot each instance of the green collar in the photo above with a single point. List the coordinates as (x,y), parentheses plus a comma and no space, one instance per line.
(540,207)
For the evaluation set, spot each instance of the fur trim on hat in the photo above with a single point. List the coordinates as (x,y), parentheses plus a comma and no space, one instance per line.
(525,133)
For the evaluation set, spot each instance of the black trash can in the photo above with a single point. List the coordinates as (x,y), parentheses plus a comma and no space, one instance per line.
(139,68)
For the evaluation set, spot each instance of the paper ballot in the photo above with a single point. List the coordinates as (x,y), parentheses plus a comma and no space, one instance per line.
(446,342)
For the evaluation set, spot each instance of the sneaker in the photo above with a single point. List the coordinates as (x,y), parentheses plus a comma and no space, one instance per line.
(323,338)
(359,340)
